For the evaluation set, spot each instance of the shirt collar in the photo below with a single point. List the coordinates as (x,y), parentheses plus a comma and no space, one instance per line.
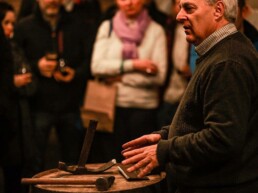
(214,38)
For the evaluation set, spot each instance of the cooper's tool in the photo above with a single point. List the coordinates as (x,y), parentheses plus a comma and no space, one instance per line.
(86,170)
(102,183)
(130,176)
(81,168)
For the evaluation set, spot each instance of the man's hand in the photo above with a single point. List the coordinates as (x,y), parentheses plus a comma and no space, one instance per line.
(141,141)
(47,67)
(68,77)
(145,159)
(22,79)
(142,153)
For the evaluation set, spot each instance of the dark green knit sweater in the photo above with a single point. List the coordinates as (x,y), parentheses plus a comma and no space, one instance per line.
(213,138)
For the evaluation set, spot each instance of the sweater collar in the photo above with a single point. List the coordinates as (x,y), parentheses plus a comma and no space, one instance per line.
(214,38)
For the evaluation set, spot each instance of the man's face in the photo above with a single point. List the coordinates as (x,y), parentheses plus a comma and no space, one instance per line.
(198,20)
(131,8)
(50,8)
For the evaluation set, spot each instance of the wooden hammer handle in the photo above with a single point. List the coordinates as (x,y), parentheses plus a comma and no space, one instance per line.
(58,181)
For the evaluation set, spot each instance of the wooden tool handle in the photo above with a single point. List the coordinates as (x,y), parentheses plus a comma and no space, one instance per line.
(58,181)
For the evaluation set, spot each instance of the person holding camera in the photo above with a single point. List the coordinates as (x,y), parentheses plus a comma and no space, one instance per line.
(55,46)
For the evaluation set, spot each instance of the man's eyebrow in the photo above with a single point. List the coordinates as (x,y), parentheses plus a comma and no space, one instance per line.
(181,4)
(187,5)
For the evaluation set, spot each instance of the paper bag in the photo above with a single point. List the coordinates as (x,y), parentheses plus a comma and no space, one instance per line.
(99,104)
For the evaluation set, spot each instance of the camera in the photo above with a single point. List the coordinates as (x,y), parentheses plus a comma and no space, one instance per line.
(61,62)
(61,65)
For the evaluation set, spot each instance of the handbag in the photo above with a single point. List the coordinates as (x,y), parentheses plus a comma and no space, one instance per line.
(99,104)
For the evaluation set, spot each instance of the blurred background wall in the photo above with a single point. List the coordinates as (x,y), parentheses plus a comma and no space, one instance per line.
(254,3)
(106,3)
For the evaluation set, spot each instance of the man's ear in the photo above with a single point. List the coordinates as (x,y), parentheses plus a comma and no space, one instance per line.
(219,9)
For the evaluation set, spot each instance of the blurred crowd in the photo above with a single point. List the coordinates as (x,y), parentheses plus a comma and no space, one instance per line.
(51,48)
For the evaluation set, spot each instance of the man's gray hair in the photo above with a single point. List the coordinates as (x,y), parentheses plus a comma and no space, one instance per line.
(230,9)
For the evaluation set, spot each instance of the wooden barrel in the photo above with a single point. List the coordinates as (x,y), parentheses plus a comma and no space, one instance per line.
(120,183)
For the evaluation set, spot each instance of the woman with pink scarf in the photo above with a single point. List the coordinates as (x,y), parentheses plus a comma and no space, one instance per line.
(130,52)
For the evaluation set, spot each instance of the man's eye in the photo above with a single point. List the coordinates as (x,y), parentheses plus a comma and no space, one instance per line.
(189,9)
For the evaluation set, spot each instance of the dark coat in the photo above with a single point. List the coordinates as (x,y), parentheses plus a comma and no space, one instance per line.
(251,32)
(33,34)
(8,101)
(16,137)
(23,144)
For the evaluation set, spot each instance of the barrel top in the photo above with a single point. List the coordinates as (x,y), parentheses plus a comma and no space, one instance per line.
(120,183)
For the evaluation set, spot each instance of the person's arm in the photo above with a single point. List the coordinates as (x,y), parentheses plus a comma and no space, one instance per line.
(226,102)
(142,153)
(226,107)
(163,132)
(21,37)
(107,58)
(104,46)
(157,51)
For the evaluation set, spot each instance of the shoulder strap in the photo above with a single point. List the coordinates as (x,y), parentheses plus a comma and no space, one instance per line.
(110,27)
(60,43)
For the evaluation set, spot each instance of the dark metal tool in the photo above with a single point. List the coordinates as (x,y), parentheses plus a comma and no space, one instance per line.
(102,183)
(81,168)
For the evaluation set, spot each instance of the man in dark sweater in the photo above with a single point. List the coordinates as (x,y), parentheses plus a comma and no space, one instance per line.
(46,36)
(211,145)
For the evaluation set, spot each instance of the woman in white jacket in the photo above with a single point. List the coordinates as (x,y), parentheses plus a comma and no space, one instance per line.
(130,51)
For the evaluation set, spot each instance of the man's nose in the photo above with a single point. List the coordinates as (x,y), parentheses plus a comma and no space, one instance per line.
(180,16)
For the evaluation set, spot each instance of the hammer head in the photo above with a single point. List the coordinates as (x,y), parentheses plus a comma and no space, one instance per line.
(104,183)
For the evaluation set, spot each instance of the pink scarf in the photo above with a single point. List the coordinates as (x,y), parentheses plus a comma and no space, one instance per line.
(131,37)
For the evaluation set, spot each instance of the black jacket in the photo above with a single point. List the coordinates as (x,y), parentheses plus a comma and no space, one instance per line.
(33,35)
(251,32)
(7,97)
(8,102)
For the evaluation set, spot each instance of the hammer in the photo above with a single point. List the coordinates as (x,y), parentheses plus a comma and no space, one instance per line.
(102,183)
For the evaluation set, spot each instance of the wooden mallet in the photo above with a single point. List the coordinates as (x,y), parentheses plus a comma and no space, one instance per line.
(102,183)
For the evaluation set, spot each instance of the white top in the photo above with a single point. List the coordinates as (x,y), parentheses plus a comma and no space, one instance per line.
(136,89)
(178,83)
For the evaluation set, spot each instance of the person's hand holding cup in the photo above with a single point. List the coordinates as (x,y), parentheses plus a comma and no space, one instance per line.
(47,64)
